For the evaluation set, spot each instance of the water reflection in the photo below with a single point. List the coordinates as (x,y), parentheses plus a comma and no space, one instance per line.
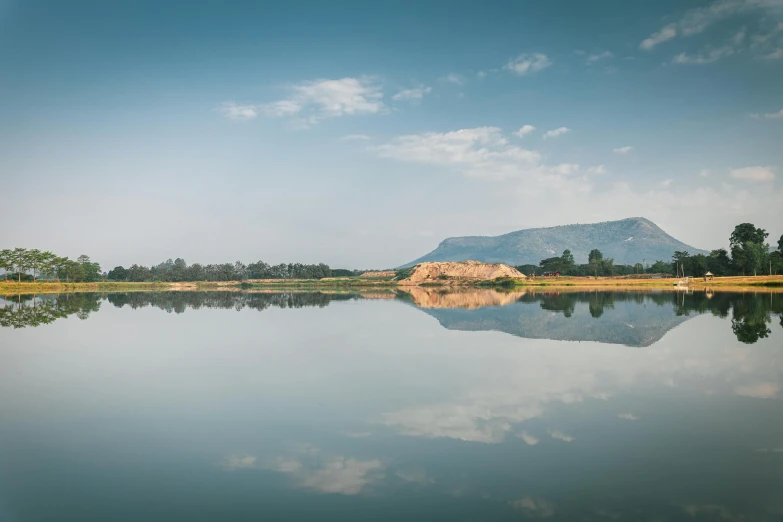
(360,407)
(617,317)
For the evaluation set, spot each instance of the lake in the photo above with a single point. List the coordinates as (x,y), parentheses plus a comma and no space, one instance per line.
(391,406)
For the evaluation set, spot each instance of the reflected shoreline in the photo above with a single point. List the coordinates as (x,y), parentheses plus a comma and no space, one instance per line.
(620,316)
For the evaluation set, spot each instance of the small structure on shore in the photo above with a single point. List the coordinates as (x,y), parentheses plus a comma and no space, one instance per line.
(709,276)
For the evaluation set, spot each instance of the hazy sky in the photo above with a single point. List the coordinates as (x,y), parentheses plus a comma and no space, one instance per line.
(361,134)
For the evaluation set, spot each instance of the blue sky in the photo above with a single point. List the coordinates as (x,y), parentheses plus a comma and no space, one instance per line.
(362,134)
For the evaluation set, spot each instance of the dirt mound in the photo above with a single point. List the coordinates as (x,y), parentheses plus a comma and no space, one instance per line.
(470,299)
(466,270)
(381,273)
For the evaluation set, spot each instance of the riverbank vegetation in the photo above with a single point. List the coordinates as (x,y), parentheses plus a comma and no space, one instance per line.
(749,254)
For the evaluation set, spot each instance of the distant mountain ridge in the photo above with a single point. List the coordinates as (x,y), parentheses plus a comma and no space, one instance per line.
(628,241)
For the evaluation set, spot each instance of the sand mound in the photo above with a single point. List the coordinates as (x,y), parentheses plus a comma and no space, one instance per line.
(471,270)
(471,299)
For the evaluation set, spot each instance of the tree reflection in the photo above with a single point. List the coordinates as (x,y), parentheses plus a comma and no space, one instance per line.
(31,310)
(22,311)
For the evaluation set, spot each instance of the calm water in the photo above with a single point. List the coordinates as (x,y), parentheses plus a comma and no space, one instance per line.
(420,406)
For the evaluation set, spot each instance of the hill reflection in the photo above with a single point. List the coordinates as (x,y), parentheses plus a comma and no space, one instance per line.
(619,317)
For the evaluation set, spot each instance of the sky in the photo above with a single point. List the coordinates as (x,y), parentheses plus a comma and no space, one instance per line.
(361,134)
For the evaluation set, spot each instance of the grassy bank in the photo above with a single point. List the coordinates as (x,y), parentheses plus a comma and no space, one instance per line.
(717,282)
(11,287)
(368,284)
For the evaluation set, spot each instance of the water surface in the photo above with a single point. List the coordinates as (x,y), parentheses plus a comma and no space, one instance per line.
(418,405)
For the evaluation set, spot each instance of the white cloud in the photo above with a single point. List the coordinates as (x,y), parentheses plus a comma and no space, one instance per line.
(764,390)
(777,54)
(706,56)
(316,100)
(666,33)
(235,462)
(566,169)
(232,111)
(754,173)
(481,151)
(623,150)
(537,508)
(594,57)
(529,439)
(772,115)
(627,416)
(355,137)
(528,63)
(335,474)
(412,94)
(281,108)
(697,20)
(524,130)
(559,435)
(704,173)
(554,133)
(453,78)
(598,169)
(469,422)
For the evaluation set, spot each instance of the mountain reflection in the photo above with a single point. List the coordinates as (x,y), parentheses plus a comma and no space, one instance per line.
(620,317)
(615,317)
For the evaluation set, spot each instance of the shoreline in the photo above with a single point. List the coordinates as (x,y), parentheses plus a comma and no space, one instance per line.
(731,283)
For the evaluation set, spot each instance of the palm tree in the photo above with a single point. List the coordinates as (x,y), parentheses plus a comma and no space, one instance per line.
(5,261)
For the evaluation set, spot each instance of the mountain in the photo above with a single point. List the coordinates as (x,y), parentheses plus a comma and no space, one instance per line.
(628,241)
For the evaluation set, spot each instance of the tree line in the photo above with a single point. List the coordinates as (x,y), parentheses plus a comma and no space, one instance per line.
(19,262)
(749,254)
(178,270)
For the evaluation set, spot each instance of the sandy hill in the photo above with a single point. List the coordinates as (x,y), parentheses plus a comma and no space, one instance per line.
(466,270)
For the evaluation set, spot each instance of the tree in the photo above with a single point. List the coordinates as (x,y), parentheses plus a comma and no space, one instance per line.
(139,273)
(776,263)
(662,267)
(568,259)
(47,263)
(551,264)
(118,273)
(747,233)
(719,262)
(21,260)
(6,262)
(90,271)
(679,258)
(744,234)
(698,264)
(35,259)
(756,256)
(780,243)
(594,259)
(61,267)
